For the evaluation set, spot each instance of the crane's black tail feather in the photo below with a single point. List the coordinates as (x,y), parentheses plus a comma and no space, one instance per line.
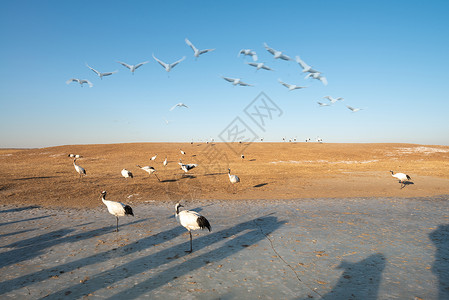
(128,210)
(203,223)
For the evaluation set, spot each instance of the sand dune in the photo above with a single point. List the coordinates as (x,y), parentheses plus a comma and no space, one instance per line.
(47,177)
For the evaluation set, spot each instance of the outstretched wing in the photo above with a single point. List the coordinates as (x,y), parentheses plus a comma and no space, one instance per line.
(252,64)
(86,81)
(141,64)
(228,79)
(301,63)
(271,50)
(125,65)
(72,80)
(284,84)
(206,50)
(177,62)
(160,62)
(191,45)
(95,71)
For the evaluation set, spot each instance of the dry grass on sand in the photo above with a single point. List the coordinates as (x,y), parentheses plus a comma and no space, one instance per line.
(269,171)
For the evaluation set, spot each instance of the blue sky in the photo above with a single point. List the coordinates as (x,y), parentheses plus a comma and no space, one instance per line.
(388,57)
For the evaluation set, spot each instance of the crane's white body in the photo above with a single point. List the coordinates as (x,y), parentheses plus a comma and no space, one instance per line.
(191,220)
(333,100)
(400,176)
(80,81)
(132,68)
(165,162)
(182,152)
(149,170)
(80,170)
(317,76)
(259,66)
(291,87)
(197,52)
(353,109)
(305,67)
(233,178)
(187,167)
(101,75)
(168,67)
(154,157)
(126,173)
(277,54)
(249,52)
(236,81)
(116,209)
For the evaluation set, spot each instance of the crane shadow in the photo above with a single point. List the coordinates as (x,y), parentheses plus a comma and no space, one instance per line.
(406,183)
(24,220)
(32,247)
(260,185)
(17,209)
(440,238)
(243,235)
(33,178)
(360,280)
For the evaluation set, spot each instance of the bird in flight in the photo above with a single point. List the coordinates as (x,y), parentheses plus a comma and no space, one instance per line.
(305,67)
(333,100)
(291,87)
(197,52)
(317,76)
(99,73)
(276,53)
(132,68)
(249,52)
(259,66)
(353,109)
(166,66)
(180,104)
(323,104)
(236,81)
(80,81)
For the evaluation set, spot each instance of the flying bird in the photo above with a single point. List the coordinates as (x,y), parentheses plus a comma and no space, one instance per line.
(236,81)
(401,177)
(127,174)
(317,76)
(291,87)
(323,104)
(168,67)
(99,73)
(197,52)
(191,220)
(259,66)
(305,67)
(132,68)
(353,109)
(180,104)
(333,100)
(117,209)
(249,52)
(276,53)
(80,81)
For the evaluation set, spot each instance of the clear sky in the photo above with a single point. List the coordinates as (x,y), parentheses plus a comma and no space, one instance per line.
(390,58)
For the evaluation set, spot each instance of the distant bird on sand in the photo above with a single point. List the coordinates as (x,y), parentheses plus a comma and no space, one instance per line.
(154,157)
(353,109)
(276,53)
(117,209)
(333,100)
(74,155)
(249,52)
(80,170)
(166,66)
(259,66)
(197,52)
(191,220)
(233,178)
(149,170)
(99,73)
(165,162)
(80,81)
(127,174)
(291,87)
(401,177)
(180,104)
(132,68)
(187,167)
(317,76)
(323,104)
(305,67)
(182,152)
(236,81)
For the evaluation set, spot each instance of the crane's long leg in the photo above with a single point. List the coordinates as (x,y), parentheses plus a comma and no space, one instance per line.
(190,233)
(156,177)
(117,223)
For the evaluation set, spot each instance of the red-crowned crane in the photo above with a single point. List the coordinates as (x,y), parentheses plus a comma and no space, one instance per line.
(117,209)
(401,177)
(191,220)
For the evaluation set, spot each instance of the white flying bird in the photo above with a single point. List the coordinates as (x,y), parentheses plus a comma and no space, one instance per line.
(353,109)
(323,104)
(276,53)
(317,76)
(236,81)
(291,87)
(259,66)
(305,67)
(168,67)
(132,68)
(99,73)
(80,81)
(248,52)
(197,52)
(180,104)
(333,100)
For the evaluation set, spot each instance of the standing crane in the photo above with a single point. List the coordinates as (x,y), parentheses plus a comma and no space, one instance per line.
(79,169)
(117,209)
(191,220)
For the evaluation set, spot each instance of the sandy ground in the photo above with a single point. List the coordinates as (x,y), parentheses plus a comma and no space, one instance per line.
(46,177)
(358,248)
